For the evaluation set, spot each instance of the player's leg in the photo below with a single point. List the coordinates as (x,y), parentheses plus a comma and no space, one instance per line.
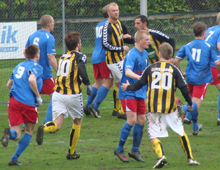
(218,119)
(76,112)
(138,130)
(156,120)
(48,85)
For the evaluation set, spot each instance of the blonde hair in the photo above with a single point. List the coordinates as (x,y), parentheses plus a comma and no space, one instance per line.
(139,34)
(218,18)
(111,4)
(104,11)
(166,51)
(46,19)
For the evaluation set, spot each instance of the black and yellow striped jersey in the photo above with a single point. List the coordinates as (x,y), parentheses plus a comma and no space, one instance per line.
(162,79)
(156,39)
(71,73)
(112,41)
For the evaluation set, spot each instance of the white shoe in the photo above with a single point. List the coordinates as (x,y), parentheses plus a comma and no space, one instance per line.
(193,162)
(197,131)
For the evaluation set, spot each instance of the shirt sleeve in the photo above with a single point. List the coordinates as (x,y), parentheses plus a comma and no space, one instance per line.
(181,53)
(82,69)
(106,39)
(130,61)
(37,70)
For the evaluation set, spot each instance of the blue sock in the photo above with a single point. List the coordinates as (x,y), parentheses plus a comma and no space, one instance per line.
(49,115)
(137,133)
(186,107)
(22,144)
(101,94)
(91,97)
(188,116)
(219,105)
(125,131)
(194,115)
(14,134)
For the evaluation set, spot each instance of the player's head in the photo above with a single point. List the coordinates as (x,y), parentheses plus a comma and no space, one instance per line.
(199,29)
(47,22)
(113,11)
(218,18)
(104,11)
(73,41)
(141,22)
(31,52)
(142,38)
(166,51)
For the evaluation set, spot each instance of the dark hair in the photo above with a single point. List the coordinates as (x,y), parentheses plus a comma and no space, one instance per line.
(104,11)
(46,19)
(31,51)
(166,50)
(71,40)
(143,19)
(198,28)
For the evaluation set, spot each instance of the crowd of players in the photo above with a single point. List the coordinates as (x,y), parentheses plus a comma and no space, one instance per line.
(145,82)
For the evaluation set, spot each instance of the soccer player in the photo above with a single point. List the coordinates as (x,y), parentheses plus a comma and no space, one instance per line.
(46,43)
(213,38)
(25,85)
(133,103)
(163,78)
(156,38)
(113,43)
(199,55)
(67,98)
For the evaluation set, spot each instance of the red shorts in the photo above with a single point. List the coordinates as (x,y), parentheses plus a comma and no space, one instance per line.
(134,105)
(214,72)
(101,71)
(198,91)
(19,113)
(48,85)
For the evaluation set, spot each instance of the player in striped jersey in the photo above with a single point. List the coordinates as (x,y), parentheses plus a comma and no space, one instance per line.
(113,43)
(67,98)
(163,78)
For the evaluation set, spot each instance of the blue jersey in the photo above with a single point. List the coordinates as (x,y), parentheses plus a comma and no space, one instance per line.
(135,61)
(199,55)
(21,89)
(213,38)
(99,53)
(46,43)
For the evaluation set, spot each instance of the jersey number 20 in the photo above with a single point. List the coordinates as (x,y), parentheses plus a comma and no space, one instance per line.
(164,78)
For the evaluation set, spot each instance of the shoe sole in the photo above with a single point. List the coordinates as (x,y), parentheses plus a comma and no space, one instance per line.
(5,137)
(40,135)
(132,156)
(14,163)
(121,158)
(94,113)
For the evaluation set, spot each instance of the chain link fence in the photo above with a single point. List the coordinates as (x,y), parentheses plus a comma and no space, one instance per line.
(172,17)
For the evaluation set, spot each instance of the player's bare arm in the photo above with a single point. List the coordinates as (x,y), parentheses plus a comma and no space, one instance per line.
(131,74)
(9,84)
(53,61)
(177,64)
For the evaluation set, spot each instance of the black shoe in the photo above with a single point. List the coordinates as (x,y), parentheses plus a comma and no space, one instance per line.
(74,156)
(5,137)
(122,116)
(40,134)
(218,122)
(94,112)
(136,156)
(86,110)
(121,155)
(114,113)
(160,163)
(14,163)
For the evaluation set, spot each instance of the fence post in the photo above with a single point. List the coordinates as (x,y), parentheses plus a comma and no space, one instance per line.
(143,7)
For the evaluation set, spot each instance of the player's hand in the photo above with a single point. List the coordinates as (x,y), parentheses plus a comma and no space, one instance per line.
(184,74)
(126,48)
(126,36)
(125,85)
(39,100)
(218,76)
(89,90)
(190,108)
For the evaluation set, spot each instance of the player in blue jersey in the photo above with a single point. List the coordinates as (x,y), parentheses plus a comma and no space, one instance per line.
(213,38)
(46,43)
(25,84)
(199,55)
(133,103)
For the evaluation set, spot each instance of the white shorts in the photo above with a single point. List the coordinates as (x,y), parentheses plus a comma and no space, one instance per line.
(67,104)
(158,124)
(117,70)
